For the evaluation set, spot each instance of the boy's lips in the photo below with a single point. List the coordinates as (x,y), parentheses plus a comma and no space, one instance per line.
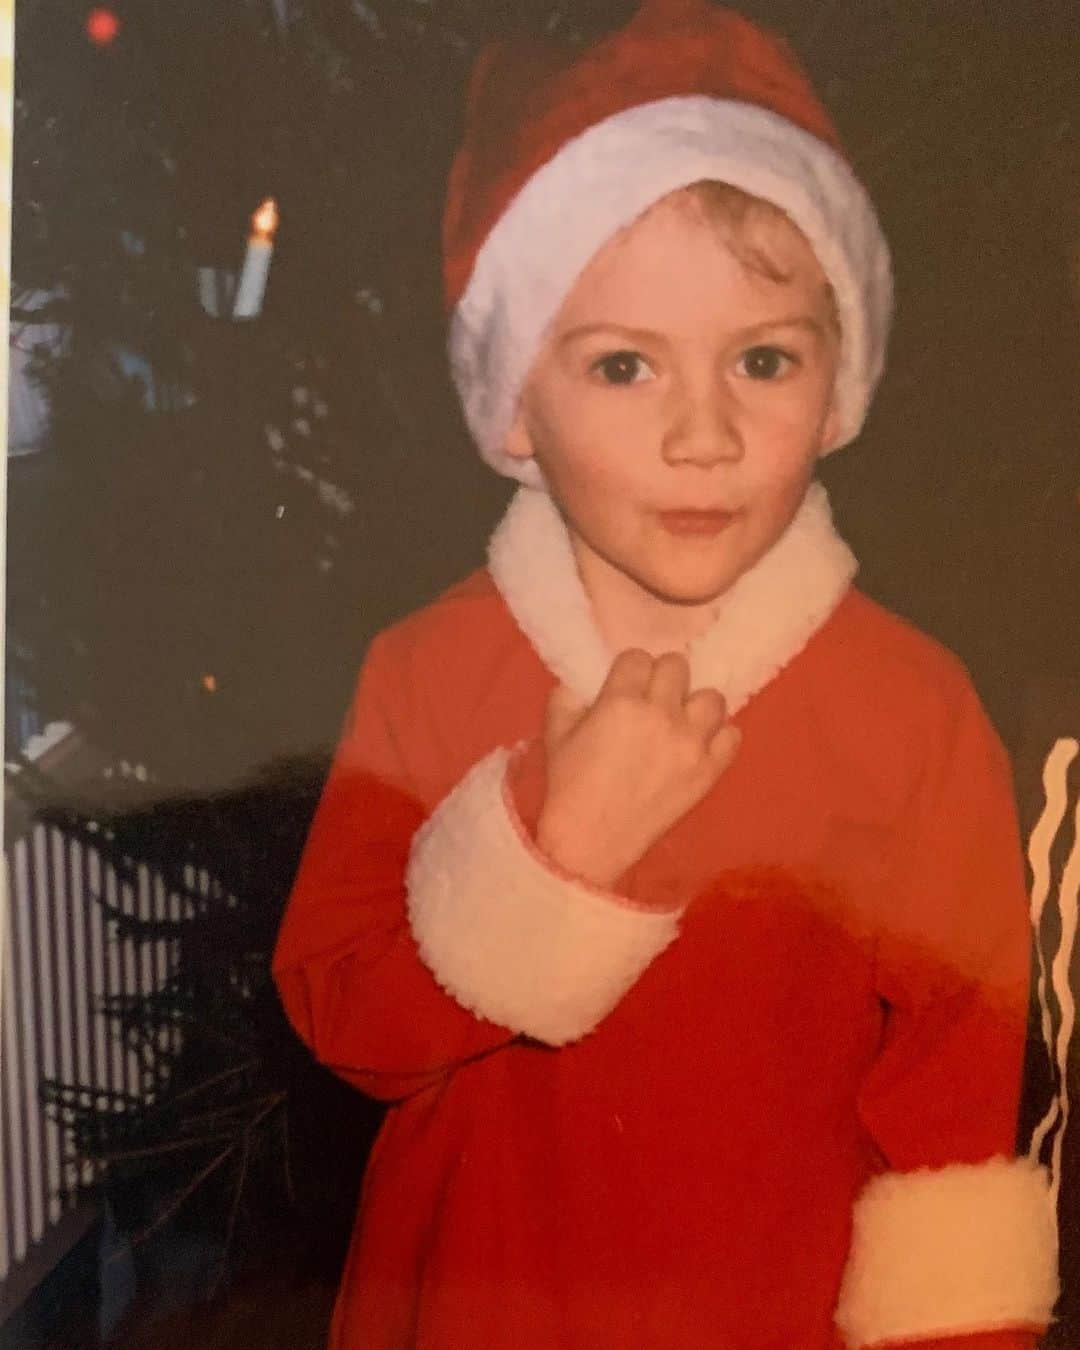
(696,521)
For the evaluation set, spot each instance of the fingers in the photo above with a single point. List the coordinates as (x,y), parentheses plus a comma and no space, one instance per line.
(669,682)
(665,680)
(706,711)
(724,745)
(629,673)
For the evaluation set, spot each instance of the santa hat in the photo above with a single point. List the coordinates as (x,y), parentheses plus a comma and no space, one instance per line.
(564,148)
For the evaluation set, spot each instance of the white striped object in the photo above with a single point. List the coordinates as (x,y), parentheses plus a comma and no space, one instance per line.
(1044,836)
(59,959)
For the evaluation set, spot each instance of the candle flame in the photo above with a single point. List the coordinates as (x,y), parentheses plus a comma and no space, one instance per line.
(264,221)
(209,683)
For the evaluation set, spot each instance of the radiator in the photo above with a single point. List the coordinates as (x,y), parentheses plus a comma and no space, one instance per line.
(59,957)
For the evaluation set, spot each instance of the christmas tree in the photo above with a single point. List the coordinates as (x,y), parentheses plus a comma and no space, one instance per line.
(222,522)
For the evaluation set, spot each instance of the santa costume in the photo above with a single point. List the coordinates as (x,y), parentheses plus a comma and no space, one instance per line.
(762,1095)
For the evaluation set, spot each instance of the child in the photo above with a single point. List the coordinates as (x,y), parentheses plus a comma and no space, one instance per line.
(667,887)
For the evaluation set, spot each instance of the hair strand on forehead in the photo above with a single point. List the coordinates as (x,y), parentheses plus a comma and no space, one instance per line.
(748,227)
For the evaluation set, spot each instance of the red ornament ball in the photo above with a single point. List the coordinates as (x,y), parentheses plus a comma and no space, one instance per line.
(102,26)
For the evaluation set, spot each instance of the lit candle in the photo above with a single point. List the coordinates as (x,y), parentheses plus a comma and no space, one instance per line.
(249,293)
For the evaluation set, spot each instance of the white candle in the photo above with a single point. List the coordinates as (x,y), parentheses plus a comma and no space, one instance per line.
(260,249)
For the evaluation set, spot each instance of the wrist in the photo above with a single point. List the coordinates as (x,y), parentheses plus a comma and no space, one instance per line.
(565,846)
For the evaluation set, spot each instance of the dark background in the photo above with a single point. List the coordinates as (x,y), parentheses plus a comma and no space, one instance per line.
(274,492)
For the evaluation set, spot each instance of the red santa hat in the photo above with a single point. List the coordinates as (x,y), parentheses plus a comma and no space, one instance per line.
(563,148)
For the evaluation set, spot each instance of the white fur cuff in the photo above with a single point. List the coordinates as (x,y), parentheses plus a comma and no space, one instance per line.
(509,937)
(966,1248)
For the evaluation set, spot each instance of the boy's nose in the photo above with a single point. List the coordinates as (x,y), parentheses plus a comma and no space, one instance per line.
(703,427)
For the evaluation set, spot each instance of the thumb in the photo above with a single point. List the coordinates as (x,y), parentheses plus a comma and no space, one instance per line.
(564,711)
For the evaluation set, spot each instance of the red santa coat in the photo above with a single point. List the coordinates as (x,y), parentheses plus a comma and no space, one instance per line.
(765,1095)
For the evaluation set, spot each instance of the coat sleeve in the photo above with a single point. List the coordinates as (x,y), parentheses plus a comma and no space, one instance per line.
(414,939)
(954,1240)
(345,963)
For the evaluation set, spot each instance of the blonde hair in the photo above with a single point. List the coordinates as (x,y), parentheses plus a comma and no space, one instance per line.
(744,223)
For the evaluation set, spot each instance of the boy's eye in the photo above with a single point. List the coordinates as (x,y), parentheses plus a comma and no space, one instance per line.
(622,368)
(764,363)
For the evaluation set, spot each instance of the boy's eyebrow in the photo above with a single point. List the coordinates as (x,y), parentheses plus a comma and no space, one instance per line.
(588,329)
(805,321)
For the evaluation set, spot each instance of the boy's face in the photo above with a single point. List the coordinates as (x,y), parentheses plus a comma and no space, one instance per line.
(675,378)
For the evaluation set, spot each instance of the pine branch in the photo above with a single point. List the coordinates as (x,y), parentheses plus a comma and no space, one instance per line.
(159,1150)
(178,1201)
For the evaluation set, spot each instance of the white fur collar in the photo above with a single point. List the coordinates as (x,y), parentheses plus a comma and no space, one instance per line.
(766,619)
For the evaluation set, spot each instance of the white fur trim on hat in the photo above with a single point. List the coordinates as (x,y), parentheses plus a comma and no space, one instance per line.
(960,1249)
(508,936)
(762,622)
(601,181)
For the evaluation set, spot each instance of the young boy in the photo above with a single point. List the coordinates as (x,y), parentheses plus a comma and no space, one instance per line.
(667,887)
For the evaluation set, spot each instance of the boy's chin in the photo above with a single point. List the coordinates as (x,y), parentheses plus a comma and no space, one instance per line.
(688,592)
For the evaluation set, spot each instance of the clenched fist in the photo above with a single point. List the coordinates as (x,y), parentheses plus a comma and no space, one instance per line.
(623,770)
